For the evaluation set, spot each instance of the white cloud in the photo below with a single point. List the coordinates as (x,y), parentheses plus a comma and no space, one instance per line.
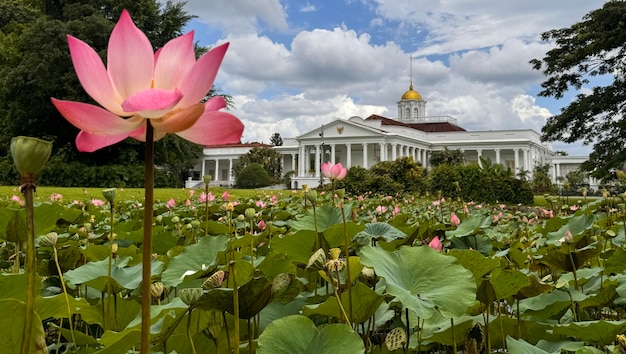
(308,8)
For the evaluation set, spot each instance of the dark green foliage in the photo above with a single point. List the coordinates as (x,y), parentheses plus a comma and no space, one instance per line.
(276,139)
(387,177)
(473,183)
(541,180)
(253,176)
(448,157)
(267,157)
(592,47)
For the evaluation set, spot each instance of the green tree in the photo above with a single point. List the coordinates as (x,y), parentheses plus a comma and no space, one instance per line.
(267,157)
(276,139)
(445,156)
(541,180)
(594,47)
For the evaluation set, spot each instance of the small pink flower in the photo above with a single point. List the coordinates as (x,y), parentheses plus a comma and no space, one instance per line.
(573,208)
(569,238)
(274,199)
(381,209)
(260,204)
(226,196)
(170,203)
(396,210)
(360,198)
(261,225)
(191,193)
(454,220)
(435,244)
(187,202)
(334,172)
(97,202)
(54,197)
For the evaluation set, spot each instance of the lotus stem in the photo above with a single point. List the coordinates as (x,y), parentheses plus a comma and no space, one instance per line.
(67,300)
(347,252)
(193,347)
(453,336)
(31,264)
(235,304)
(107,314)
(146,255)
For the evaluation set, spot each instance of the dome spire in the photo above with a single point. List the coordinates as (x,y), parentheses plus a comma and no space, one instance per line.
(411,94)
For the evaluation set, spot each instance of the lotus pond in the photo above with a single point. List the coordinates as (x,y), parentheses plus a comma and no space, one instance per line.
(295,272)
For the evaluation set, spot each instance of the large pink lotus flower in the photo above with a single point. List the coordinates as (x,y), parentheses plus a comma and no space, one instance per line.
(165,87)
(334,171)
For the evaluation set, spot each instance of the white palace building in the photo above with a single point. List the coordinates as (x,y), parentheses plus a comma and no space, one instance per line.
(363,142)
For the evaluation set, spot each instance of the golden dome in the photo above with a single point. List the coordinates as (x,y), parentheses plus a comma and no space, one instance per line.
(411,94)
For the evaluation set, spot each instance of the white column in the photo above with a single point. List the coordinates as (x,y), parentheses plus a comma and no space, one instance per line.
(525,154)
(317,160)
(364,155)
(425,163)
(307,161)
(217,170)
(383,152)
(497,156)
(301,162)
(203,169)
(479,153)
(348,156)
(293,162)
(553,171)
(394,149)
(558,171)
(516,154)
(230,169)
(332,153)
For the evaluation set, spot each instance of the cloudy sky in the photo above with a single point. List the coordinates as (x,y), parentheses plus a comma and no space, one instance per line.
(295,64)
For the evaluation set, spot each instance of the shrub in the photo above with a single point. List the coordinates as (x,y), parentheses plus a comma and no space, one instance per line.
(253,176)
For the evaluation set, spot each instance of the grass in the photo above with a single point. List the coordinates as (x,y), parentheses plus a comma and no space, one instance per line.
(85,194)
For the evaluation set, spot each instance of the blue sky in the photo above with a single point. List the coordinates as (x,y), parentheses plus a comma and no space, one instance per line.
(295,64)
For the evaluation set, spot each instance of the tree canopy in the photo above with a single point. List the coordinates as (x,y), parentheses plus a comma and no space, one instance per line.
(35,65)
(267,157)
(590,51)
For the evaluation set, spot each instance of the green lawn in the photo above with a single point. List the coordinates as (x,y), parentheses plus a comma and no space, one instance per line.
(160,194)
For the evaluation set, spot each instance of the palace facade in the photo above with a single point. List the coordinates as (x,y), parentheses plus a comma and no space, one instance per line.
(358,141)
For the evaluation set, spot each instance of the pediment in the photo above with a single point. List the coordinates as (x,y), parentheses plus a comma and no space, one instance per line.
(342,128)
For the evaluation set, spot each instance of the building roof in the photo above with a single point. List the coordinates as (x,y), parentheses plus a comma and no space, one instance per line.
(434,127)
(411,94)
(238,145)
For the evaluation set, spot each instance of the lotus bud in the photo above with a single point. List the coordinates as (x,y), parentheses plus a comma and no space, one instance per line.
(230,207)
(305,187)
(584,191)
(190,296)
(250,213)
(195,223)
(215,280)
(114,248)
(87,226)
(340,193)
(281,283)
(569,238)
(317,260)
(109,195)
(241,217)
(156,289)
(396,339)
(175,219)
(30,154)
(207,179)
(311,196)
(49,240)
(158,218)
(188,227)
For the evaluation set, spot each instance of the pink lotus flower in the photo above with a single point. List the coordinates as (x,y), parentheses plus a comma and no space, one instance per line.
(170,203)
(139,85)
(226,196)
(454,220)
(261,225)
(435,244)
(381,209)
(334,172)
(97,202)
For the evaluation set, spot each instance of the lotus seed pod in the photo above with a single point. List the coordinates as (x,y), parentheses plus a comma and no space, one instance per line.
(395,339)
(109,195)
(368,273)
(311,196)
(175,219)
(195,224)
(207,178)
(49,240)
(30,154)
(340,193)
(334,253)
(158,218)
(190,296)
(188,227)
(156,289)
(215,280)
(317,260)
(281,283)
(250,213)
(240,217)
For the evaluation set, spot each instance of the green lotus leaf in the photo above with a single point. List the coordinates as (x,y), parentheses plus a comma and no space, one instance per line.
(594,332)
(577,225)
(469,226)
(326,216)
(335,237)
(298,334)
(14,286)
(253,297)
(379,231)
(523,347)
(508,282)
(423,279)
(195,260)
(365,302)
(480,243)
(298,246)
(55,306)
(473,260)
(95,275)
(12,327)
